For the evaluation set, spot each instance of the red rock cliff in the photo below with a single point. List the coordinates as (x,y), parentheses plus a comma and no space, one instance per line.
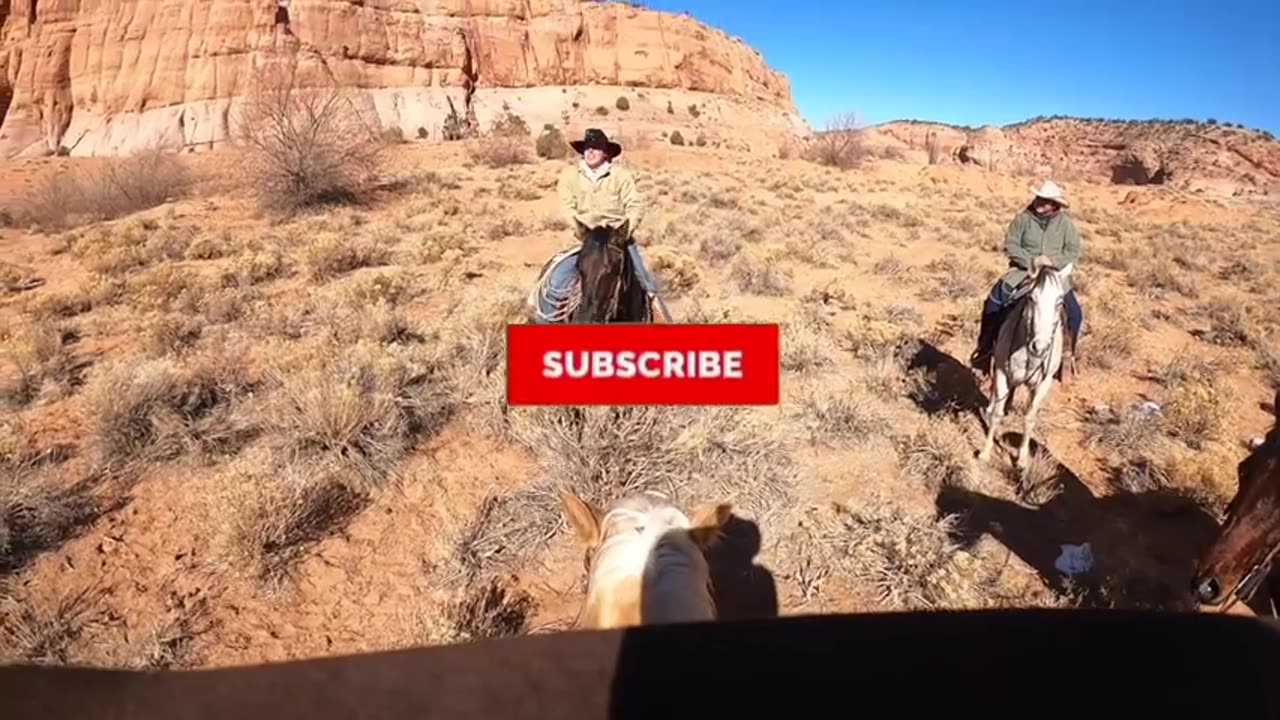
(112,76)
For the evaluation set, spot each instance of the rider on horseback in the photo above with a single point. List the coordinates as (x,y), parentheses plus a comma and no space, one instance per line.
(597,193)
(1041,235)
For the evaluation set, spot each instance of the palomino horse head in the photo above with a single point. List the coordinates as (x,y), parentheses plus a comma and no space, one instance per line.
(1249,539)
(603,267)
(644,560)
(1044,311)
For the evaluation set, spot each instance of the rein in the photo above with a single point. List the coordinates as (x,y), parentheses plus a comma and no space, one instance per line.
(1248,585)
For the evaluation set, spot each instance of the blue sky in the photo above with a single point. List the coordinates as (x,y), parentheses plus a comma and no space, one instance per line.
(1000,62)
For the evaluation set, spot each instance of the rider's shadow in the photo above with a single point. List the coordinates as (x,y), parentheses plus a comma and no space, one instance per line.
(946,384)
(1144,545)
(743,589)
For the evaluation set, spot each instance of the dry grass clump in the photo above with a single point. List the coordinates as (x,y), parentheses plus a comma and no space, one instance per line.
(1126,432)
(112,188)
(39,510)
(472,355)
(1207,475)
(839,417)
(255,267)
(761,272)
(690,453)
(806,344)
(1162,274)
(44,632)
(41,361)
(500,151)
(1113,332)
(937,455)
(305,145)
(354,411)
(1232,323)
(495,608)
(1195,411)
(909,559)
(332,254)
(153,410)
(506,529)
(676,272)
(953,280)
(261,515)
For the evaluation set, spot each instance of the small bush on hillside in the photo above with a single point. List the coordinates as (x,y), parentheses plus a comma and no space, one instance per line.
(840,146)
(551,144)
(677,138)
(116,188)
(623,103)
(306,146)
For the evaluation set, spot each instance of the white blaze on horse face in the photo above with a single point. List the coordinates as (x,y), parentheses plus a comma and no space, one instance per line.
(1045,303)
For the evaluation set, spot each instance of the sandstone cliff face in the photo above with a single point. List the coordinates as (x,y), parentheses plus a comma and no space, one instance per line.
(114,76)
(1197,157)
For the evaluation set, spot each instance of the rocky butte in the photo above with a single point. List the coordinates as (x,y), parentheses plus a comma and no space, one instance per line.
(1200,157)
(107,77)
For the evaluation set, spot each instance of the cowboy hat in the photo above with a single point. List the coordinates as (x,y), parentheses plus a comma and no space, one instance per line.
(595,138)
(1049,190)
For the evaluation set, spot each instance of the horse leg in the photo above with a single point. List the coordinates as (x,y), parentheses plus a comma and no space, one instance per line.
(995,411)
(1029,420)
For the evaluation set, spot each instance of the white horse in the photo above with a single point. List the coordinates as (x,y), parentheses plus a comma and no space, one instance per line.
(644,560)
(1028,352)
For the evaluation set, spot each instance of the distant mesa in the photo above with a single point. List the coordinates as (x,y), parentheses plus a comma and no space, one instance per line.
(113,78)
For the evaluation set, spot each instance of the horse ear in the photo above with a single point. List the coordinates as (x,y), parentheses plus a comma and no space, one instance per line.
(1064,272)
(707,522)
(584,517)
(579,228)
(624,229)
(1275,406)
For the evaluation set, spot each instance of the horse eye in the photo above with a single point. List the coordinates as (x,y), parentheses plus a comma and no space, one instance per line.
(639,529)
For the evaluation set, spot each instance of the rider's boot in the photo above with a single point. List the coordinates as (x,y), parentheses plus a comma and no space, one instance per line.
(981,357)
(1068,370)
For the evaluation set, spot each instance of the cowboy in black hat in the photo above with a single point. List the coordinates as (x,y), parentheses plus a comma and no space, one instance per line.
(596,192)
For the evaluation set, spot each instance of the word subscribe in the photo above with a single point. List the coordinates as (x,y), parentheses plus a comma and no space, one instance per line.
(703,364)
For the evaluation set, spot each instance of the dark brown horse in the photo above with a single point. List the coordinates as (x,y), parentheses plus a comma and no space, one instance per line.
(1238,562)
(610,290)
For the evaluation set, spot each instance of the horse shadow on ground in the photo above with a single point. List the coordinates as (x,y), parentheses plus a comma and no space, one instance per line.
(1144,544)
(743,589)
(949,385)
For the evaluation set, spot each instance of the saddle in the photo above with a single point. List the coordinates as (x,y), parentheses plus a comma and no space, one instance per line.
(551,304)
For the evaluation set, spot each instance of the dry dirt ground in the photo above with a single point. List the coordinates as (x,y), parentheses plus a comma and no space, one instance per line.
(229,439)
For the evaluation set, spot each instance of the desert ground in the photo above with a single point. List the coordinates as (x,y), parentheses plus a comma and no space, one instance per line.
(233,435)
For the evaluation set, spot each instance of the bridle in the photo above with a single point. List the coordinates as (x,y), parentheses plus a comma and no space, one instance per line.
(1029,320)
(1248,584)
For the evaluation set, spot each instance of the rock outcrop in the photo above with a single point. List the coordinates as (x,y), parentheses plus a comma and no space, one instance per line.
(97,78)
(1198,157)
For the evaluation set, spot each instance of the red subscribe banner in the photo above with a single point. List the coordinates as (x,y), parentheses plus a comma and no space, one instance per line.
(643,364)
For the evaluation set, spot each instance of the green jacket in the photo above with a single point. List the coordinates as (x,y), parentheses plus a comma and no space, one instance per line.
(1029,236)
(607,200)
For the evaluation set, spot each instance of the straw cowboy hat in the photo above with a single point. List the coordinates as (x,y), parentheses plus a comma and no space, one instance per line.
(595,138)
(1049,190)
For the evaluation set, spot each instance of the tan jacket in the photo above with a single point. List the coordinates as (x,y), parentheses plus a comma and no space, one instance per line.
(606,201)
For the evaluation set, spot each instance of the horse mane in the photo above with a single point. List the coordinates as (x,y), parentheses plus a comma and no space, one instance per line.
(647,553)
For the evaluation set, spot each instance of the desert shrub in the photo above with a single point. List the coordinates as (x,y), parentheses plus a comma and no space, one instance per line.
(354,410)
(677,273)
(623,103)
(305,146)
(676,138)
(840,145)
(551,144)
(112,189)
